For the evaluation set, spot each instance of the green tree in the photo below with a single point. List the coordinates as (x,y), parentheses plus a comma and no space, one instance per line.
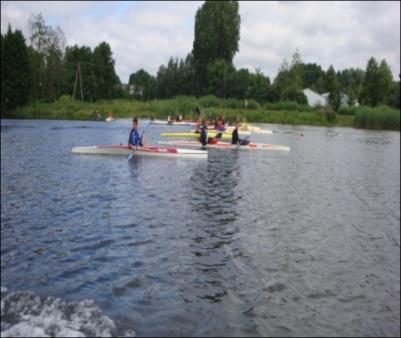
(176,78)
(106,77)
(46,59)
(289,80)
(385,82)
(333,87)
(79,69)
(296,72)
(259,86)
(185,76)
(394,98)
(320,85)
(311,74)
(282,79)
(167,85)
(377,84)
(143,79)
(242,82)
(220,77)
(217,33)
(15,71)
(351,82)
(370,93)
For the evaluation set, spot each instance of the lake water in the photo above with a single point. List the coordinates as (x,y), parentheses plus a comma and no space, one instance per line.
(245,243)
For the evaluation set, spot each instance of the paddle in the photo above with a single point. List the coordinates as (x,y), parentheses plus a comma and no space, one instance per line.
(130,156)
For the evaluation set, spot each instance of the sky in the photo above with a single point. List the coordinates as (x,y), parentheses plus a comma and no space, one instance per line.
(145,34)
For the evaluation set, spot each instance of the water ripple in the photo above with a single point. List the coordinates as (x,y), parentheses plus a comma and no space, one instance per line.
(243,244)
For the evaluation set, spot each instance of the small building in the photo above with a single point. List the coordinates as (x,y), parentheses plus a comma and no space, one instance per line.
(132,89)
(346,102)
(316,99)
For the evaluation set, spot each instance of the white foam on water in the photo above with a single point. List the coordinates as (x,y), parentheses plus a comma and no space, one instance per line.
(23,314)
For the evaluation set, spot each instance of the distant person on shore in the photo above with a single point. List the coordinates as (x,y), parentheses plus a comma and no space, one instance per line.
(135,140)
(169,120)
(110,116)
(178,117)
(96,115)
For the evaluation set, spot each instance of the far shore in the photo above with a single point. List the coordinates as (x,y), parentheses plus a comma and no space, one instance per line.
(380,118)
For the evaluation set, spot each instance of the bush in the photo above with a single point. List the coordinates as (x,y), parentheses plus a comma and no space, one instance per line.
(301,99)
(210,101)
(381,117)
(234,104)
(287,106)
(252,104)
(329,114)
(65,98)
(347,110)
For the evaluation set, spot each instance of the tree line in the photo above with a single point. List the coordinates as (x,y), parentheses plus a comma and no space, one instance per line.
(47,69)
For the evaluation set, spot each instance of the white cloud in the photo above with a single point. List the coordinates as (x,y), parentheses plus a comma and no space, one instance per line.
(146,34)
(342,34)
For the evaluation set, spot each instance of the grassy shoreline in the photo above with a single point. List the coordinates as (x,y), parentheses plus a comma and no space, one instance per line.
(382,117)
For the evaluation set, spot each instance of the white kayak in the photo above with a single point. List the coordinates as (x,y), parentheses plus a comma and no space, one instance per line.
(227,145)
(247,130)
(115,149)
(174,123)
(213,131)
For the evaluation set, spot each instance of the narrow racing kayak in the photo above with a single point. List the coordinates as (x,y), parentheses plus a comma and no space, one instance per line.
(115,149)
(257,130)
(247,130)
(211,133)
(109,119)
(174,123)
(227,145)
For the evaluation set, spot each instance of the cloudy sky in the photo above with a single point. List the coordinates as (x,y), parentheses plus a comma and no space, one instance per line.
(145,34)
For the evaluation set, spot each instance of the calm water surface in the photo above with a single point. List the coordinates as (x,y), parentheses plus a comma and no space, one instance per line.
(245,243)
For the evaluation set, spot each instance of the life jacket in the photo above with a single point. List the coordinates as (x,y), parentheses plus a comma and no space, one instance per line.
(203,135)
(235,138)
(134,138)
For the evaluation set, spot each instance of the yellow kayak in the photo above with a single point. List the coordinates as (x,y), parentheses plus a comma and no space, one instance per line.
(224,135)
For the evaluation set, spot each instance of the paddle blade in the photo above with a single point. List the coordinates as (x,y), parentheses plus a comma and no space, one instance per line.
(130,156)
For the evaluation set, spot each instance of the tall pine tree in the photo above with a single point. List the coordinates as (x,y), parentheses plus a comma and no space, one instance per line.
(16,80)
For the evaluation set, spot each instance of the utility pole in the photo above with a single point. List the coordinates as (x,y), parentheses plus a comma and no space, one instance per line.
(80,78)
(78,74)
(225,75)
(75,84)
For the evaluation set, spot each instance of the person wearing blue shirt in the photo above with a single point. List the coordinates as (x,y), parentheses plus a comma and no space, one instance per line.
(135,140)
